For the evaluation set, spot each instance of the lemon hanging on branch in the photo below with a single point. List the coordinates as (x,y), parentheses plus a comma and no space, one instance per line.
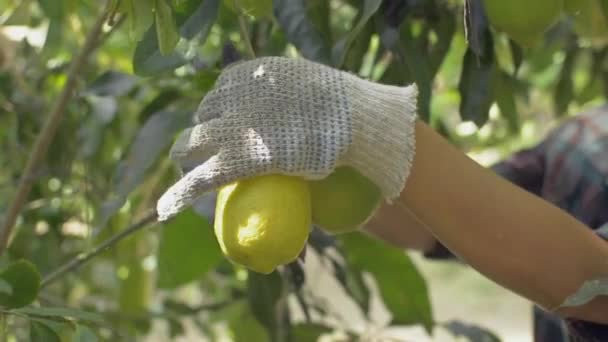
(263,222)
(525,21)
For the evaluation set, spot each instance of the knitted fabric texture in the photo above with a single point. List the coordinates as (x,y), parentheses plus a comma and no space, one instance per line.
(293,117)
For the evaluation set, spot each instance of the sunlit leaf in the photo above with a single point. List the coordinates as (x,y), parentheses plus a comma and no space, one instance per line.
(20,15)
(140,16)
(166,29)
(24,280)
(188,250)
(401,286)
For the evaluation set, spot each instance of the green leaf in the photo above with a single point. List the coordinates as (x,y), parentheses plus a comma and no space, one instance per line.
(472,332)
(318,13)
(20,16)
(267,302)
(188,250)
(153,138)
(475,88)
(148,60)
(243,325)
(517,55)
(24,279)
(54,9)
(293,19)
(61,312)
(564,90)
(587,292)
(84,334)
(140,17)
(40,332)
(166,29)
(504,93)
(339,50)
(135,288)
(401,286)
(308,332)
(201,21)
(112,83)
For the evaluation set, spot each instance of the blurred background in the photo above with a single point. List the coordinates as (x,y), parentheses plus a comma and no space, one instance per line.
(109,84)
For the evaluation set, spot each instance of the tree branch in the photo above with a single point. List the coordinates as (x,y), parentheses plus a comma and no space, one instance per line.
(82,258)
(49,129)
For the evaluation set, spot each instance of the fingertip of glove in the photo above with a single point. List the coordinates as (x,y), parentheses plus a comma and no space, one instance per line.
(166,208)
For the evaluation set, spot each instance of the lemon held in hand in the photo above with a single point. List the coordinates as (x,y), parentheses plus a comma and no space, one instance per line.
(343,201)
(263,222)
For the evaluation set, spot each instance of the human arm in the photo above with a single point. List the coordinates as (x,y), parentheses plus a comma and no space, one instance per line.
(298,118)
(511,236)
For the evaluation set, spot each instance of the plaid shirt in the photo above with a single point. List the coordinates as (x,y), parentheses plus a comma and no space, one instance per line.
(569,169)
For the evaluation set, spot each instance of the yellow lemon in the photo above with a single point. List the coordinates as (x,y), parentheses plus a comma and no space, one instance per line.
(263,222)
(524,21)
(343,201)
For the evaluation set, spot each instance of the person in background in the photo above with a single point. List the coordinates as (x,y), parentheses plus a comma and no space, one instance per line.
(568,168)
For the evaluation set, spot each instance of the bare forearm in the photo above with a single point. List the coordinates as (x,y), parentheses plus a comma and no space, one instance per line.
(511,236)
(397,226)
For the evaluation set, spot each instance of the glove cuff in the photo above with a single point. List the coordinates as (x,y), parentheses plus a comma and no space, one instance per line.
(383,145)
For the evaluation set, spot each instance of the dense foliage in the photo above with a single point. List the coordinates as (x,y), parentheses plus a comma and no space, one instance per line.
(140,78)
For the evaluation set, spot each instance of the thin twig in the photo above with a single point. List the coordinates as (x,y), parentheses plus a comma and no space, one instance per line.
(82,258)
(244,31)
(49,129)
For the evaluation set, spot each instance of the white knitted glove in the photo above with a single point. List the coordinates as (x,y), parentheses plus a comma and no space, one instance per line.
(293,117)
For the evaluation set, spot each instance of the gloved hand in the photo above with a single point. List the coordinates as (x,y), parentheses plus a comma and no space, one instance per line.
(293,117)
